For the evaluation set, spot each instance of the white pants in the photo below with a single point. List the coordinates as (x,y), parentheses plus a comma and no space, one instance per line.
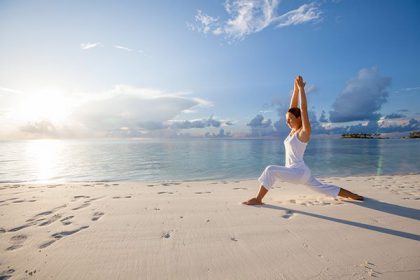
(299,174)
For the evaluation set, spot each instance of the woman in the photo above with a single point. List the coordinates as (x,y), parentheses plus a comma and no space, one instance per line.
(296,170)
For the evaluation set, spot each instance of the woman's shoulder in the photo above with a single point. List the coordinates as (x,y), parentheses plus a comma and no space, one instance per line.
(303,136)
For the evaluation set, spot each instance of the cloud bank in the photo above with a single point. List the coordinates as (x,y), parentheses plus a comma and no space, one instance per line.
(360,101)
(362,97)
(121,111)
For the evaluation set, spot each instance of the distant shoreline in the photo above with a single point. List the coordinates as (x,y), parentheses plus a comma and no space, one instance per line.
(412,135)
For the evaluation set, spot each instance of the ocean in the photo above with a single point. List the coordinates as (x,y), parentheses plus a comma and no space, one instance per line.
(196,159)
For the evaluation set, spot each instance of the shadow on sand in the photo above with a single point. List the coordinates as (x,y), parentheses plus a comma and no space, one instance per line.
(389,208)
(368,203)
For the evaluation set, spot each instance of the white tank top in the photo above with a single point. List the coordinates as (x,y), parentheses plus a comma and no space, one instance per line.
(294,150)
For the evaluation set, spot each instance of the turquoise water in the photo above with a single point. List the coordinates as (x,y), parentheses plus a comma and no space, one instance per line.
(196,159)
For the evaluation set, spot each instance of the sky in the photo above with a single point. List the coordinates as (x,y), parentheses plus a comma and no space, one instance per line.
(163,68)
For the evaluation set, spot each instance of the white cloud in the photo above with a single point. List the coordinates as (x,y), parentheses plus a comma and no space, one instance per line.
(407,90)
(246,17)
(87,46)
(305,13)
(208,23)
(188,111)
(127,106)
(123,48)
(310,89)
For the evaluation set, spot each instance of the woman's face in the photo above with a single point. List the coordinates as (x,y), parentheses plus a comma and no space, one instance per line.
(292,121)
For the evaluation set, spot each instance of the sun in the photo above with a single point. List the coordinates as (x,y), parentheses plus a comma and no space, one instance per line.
(42,106)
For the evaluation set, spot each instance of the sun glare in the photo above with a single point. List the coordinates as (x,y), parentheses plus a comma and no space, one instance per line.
(43,154)
(42,106)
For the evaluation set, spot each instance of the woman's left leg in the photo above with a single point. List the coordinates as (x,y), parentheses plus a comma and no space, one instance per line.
(348,194)
(331,190)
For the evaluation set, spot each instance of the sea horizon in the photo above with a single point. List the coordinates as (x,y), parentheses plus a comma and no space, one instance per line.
(195,159)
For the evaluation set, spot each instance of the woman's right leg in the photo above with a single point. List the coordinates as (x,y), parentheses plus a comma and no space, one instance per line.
(258,199)
(269,176)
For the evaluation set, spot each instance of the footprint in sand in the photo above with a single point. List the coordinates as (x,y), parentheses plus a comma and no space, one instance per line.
(168,184)
(59,235)
(87,202)
(201,192)
(30,273)
(6,274)
(369,269)
(166,234)
(66,220)
(117,197)
(315,202)
(17,241)
(97,216)
(240,188)
(289,214)
(95,198)
(21,227)
(46,244)
(76,197)
(13,198)
(165,192)
(53,210)
(50,220)
(81,206)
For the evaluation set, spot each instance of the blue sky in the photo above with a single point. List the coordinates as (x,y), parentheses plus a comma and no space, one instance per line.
(156,68)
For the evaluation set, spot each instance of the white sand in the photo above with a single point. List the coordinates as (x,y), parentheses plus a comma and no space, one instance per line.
(199,230)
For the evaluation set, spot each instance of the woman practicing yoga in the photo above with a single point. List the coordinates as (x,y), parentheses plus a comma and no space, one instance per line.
(296,170)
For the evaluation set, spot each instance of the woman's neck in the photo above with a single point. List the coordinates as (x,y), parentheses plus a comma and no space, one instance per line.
(294,130)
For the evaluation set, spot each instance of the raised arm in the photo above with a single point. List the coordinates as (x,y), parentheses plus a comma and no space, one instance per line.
(305,133)
(295,97)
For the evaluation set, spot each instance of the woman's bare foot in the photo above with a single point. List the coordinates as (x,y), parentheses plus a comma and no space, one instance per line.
(347,194)
(253,201)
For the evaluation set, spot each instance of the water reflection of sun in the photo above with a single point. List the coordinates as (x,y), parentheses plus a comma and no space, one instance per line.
(43,155)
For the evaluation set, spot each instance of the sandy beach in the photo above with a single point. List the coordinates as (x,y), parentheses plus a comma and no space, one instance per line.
(200,230)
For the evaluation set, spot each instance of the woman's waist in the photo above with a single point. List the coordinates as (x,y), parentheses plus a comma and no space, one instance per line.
(296,163)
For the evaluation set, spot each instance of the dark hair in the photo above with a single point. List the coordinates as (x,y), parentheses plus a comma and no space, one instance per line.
(295,111)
